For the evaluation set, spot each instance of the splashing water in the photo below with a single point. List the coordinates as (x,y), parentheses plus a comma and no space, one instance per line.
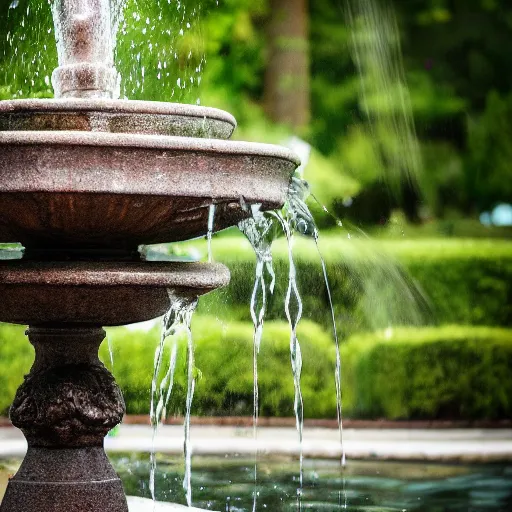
(175,322)
(27,50)
(259,231)
(211,220)
(159,49)
(386,100)
(161,52)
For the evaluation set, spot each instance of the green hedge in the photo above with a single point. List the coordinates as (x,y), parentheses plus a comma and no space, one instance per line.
(223,359)
(379,283)
(401,373)
(451,372)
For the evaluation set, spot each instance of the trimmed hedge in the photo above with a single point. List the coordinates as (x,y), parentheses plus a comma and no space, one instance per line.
(379,283)
(450,372)
(223,359)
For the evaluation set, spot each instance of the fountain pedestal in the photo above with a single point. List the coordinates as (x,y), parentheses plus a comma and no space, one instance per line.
(65,407)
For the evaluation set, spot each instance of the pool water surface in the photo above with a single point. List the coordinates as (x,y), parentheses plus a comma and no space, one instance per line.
(227,484)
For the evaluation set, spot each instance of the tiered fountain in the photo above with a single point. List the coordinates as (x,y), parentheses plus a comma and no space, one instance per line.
(84,180)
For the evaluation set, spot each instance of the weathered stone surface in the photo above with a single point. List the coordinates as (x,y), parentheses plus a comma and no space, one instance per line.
(71,405)
(69,497)
(69,399)
(104,293)
(101,190)
(66,405)
(116,116)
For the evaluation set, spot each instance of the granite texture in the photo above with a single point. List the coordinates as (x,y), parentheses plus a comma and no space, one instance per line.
(69,398)
(102,190)
(115,116)
(99,293)
(93,496)
(66,405)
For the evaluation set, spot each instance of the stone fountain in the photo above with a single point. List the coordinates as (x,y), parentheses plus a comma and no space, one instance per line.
(85,179)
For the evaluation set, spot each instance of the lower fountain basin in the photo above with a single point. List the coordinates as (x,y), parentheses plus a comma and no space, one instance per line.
(117,191)
(100,294)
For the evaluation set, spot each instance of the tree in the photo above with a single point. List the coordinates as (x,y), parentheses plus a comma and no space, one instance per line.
(287,82)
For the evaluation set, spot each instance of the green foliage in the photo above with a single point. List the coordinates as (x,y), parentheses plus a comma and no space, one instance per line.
(16,357)
(452,372)
(470,287)
(400,373)
(223,358)
(491,153)
(443,180)
(379,283)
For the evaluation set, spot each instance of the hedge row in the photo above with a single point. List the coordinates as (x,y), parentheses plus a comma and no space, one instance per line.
(376,284)
(223,359)
(448,372)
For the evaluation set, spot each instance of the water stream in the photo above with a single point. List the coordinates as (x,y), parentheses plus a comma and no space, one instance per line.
(175,322)
(297,218)
(191,383)
(293,300)
(258,229)
(110,352)
(211,221)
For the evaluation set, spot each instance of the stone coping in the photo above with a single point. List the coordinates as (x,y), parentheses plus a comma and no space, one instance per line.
(136,504)
(465,446)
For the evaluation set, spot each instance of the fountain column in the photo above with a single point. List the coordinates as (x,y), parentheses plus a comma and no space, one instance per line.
(65,407)
(85,32)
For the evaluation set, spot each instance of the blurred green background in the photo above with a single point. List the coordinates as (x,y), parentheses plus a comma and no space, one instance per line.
(407,107)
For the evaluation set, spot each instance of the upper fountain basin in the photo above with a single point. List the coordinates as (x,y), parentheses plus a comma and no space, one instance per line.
(84,190)
(115,116)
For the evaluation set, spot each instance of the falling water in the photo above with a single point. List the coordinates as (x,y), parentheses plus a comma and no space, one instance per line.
(176,321)
(191,383)
(259,231)
(160,50)
(292,294)
(299,193)
(110,352)
(298,218)
(211,220)
(27,50)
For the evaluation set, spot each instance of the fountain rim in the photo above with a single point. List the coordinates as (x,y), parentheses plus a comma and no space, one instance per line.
(172,275)
(61,105)
(151,142)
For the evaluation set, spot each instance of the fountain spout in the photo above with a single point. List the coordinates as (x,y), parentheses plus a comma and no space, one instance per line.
(85,32)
